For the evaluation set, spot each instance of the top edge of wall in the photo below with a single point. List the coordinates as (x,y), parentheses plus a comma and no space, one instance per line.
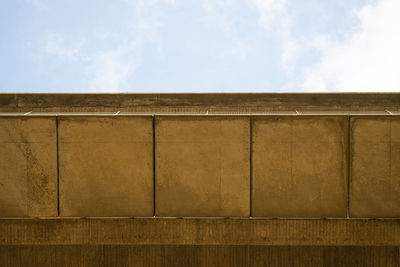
(198,102)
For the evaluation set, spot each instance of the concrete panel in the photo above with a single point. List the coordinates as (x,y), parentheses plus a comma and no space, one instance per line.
(375,168)
(299,166)
(106,166)
(28,167)
(202,166)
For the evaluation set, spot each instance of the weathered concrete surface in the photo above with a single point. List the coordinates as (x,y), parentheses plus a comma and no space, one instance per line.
(202,166)
(28,167)
(375,167)
(198,256)
(106,166)
(200,102)
(299,166)
(200,231)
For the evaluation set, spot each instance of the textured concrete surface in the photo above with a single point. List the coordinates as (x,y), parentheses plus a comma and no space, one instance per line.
(106,166)
(195,102)
(375,168)
(27,187)
(28,167)
(198,256)
(299,166)
(202,166)
(201,231)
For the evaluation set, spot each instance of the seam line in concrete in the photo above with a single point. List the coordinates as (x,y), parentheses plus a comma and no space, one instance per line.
(58,170)
(154,166)
(349,160)
(251,166)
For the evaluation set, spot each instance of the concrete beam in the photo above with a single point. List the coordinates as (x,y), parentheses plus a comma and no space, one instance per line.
(233,102)
(207,231)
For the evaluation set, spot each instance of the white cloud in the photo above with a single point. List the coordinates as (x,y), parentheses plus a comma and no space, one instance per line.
(57,45)
(106,69)
(273,18)
(217,14)
(276,19)
(367,61)
(112,67)
(111,70)
(273,15)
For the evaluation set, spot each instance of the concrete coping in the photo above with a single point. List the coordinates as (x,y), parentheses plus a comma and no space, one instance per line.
(385,112)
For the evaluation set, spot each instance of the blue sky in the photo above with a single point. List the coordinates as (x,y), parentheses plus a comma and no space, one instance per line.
(199,46)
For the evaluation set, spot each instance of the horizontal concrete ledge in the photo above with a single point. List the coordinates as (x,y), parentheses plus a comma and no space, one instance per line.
(195,231)
(294,113)
(191,102)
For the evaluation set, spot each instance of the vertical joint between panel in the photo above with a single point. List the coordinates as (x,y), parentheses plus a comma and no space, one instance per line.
(251,166)
(58,169)
(348,164)
(154,167)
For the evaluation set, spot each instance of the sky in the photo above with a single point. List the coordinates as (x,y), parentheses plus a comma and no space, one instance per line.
(200,46)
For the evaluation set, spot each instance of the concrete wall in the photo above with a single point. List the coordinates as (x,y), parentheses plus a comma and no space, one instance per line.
(260,166)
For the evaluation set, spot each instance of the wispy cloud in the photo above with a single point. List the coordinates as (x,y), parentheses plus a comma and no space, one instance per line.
(217,15)
(275,18)
(278,44)
(111,70)
(57,45)
(274,15)
(367,61)
(112,67)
